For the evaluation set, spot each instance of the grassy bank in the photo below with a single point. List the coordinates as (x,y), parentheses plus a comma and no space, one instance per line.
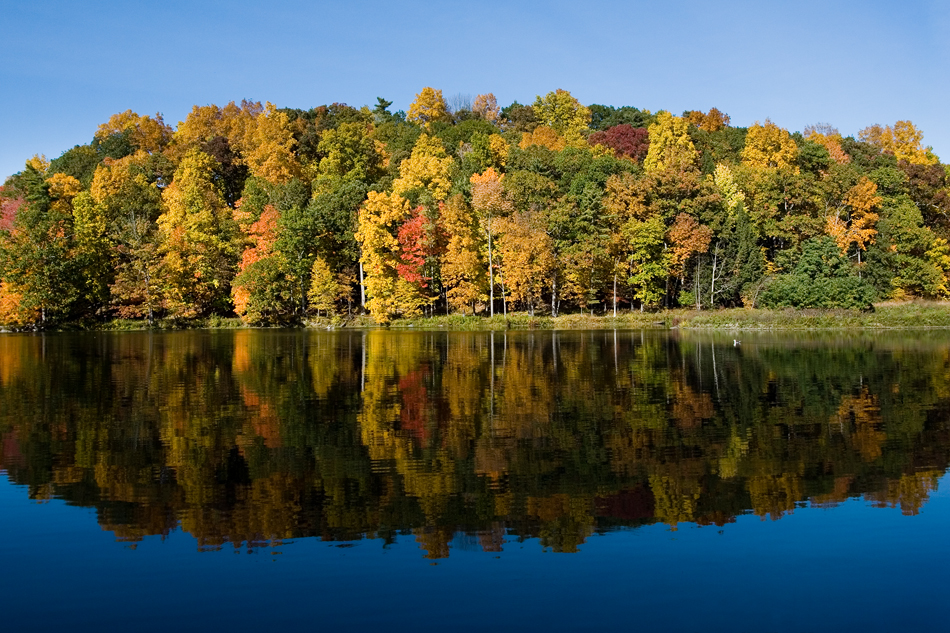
(906,315)
(886,315)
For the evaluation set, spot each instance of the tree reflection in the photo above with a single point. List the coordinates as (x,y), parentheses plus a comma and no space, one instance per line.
(248,438)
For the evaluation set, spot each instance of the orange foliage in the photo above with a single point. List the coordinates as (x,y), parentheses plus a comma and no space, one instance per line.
(543,136)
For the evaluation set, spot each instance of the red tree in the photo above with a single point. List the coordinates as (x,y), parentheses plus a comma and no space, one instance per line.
(625,140)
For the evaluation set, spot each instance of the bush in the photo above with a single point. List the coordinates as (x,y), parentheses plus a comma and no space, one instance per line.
(822,278)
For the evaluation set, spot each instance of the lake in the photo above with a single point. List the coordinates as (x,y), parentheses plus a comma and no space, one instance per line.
(429,481)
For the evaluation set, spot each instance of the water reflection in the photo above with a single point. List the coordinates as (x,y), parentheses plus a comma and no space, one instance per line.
(250,437)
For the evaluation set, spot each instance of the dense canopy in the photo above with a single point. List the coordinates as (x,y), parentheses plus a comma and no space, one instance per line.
(277,215)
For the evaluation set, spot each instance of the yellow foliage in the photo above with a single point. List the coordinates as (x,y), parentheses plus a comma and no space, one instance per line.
(903,140)
(63,188)
(543,136)
(429,106)
(146,134)
(671,148)
(563,113)
(203,123)
(112,178)
(269,148)
(428,167)
(463,271)
(498,148)
(388,294)
(11,312)
(769,147)
(195,229)
(39,162)
(712,121)
(324,287)
(727,187)
(526,252)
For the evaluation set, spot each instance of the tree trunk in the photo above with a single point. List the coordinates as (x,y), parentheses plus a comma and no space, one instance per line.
(362,287)
(615,294)
(491,280)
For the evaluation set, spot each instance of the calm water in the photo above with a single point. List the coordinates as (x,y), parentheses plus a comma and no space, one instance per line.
(421,481)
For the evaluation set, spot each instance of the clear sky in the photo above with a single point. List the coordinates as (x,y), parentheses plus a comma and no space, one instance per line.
(66,66)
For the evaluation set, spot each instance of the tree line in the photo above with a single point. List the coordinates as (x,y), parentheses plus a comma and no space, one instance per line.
(279,215)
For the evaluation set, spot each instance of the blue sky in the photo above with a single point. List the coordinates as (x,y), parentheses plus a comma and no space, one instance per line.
(65,67)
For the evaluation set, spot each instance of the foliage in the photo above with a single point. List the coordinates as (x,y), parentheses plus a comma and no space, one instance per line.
(429,106)
(670,145)
(823,278)
(624,140)
(548,207)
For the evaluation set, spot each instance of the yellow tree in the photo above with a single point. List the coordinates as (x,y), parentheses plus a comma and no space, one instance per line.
(858,227)
(564,114)
(712,121)
(543,136)
(145,133)
(197,239)
(670,145)
(490,201)
(725,183)
(388,293)
(903,140)
(429,106)
(526,252)
(769,147)
(462,267)
(324,287)
(428,168)
(203,123)
(269,147)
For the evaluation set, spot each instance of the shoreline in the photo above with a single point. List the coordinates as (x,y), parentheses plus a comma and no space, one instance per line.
(885,316)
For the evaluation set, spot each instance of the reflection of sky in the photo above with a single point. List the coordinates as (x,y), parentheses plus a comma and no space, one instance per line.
(66,65)
(851,568)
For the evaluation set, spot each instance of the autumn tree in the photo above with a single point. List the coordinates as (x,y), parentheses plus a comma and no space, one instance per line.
(36,264)
(324,287)
(543,136)
(388,293)
(144,133)
(624,140)
(526,252)
(427,170)
(903,140)
(670,145)
(687,238)
(429,106)
(858,225)
(269,147)
(462,267)
(712,121)
(486,106)
(261,291)
(490,201)
(350,153)
(562,113)
(197,234)
(768,146)
(829,138)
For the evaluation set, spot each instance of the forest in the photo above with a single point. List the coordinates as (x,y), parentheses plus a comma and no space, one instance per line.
(279,216)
